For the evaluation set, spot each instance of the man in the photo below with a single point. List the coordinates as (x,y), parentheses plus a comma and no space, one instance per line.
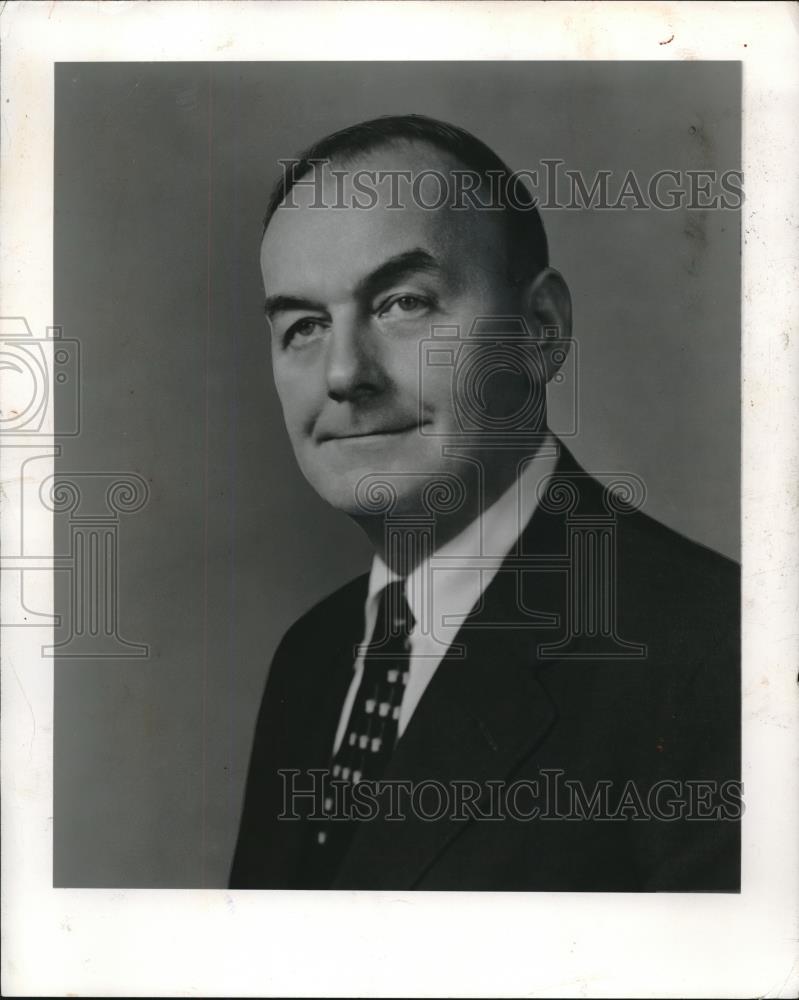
(536,686)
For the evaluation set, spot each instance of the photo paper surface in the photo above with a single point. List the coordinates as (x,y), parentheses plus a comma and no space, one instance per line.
(392,472)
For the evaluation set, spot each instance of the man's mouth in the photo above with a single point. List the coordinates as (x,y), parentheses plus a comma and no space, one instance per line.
(363,435)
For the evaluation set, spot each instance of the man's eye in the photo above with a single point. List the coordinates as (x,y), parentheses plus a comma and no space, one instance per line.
(403,305)
(303,329)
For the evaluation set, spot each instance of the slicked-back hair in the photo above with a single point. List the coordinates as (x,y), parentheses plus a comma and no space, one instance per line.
(527,243)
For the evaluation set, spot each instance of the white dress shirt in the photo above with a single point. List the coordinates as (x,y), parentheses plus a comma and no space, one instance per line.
(443,589)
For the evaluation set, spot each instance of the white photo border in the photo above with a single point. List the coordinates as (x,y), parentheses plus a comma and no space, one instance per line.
(218,943)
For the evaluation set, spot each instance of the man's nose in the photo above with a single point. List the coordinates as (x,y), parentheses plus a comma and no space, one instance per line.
(353,368)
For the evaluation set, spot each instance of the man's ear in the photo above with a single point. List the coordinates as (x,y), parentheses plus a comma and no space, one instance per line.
(548,311)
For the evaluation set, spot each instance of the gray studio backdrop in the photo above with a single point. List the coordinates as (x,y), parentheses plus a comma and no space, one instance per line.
(161,176)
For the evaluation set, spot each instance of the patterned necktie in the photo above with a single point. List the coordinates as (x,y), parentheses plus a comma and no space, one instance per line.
(371,731)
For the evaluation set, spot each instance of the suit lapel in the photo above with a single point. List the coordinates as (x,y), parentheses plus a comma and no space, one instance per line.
(460,732)
(316,688)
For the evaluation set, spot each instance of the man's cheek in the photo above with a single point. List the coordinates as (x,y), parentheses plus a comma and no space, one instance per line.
(297,411)
(443,406)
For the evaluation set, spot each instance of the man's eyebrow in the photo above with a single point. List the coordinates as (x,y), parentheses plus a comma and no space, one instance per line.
(287,303)
(397,267)
(386,273)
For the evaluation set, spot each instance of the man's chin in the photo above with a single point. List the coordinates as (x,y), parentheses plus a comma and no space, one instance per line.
(374,497)
(367,493)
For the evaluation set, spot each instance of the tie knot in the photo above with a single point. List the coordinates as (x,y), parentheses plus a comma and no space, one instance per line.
(394,609)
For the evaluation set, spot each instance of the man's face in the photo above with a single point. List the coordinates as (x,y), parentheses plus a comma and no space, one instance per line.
(351,295)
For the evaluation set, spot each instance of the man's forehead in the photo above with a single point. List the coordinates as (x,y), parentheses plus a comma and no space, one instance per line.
(325,226)
(393,167)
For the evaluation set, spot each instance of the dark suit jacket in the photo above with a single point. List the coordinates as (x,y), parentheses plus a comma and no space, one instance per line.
(508,711)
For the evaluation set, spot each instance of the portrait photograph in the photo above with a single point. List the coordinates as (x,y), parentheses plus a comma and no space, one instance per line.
(529,420)
(386,495)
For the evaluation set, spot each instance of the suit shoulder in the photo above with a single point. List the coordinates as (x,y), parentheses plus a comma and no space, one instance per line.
(670,553)
(662,551)
(682,595)
(325,618)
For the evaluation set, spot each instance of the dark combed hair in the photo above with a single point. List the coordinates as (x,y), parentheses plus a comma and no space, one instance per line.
(527,240)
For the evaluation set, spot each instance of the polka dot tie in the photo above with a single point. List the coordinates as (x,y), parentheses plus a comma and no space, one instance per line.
(372,728)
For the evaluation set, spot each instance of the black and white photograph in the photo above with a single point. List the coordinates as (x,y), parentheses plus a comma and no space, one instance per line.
(390,425)
(468,380)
